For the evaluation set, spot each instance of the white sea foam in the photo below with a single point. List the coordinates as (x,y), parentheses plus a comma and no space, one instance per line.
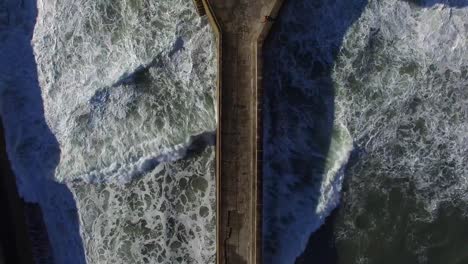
(406,106)
(399,82)
(126,84)
(340,149)
(123,174)
(127,89)
(165,217)
(402,92)
(122,81)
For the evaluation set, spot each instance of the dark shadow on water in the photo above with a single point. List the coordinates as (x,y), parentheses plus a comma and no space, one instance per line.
(32,147)
(299,107)
(321,247)
(198,144)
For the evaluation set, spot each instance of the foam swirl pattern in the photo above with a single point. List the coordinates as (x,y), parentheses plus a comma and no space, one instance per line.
(128,90)
(168,216)
(390,78)
(122,82)
(402,78)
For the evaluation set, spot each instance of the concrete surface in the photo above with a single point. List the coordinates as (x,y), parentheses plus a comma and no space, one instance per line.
(240,32)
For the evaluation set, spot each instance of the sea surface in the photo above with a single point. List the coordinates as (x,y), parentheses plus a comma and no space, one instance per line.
(109,109)
(389,80)
(109,113)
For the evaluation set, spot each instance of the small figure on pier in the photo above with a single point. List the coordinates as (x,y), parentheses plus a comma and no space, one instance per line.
(268,19)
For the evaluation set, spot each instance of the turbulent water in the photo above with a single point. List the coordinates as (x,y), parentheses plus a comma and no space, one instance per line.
(112,131)
(402,80)
(115,128)
(402,88)
(394,74)
(123,83)
(167,216)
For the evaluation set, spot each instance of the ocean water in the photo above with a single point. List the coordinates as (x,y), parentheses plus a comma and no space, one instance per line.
(110,125)
(167,216)
(109,112)
(123,83)
(393,75)
(402,88)
(306,143)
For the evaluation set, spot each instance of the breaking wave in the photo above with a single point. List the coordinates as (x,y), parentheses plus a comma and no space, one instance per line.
(128,85)
(402,92)
(121,129)
(168,216)
(125,173)
(402,78)
(394,74)
(123,80)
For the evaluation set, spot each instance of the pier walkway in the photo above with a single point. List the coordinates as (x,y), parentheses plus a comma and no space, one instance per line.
(240,32)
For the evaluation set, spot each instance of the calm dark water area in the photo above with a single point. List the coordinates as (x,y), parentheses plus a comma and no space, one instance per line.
(385,238)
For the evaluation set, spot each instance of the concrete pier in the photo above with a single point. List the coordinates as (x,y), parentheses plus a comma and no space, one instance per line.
(240,29)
